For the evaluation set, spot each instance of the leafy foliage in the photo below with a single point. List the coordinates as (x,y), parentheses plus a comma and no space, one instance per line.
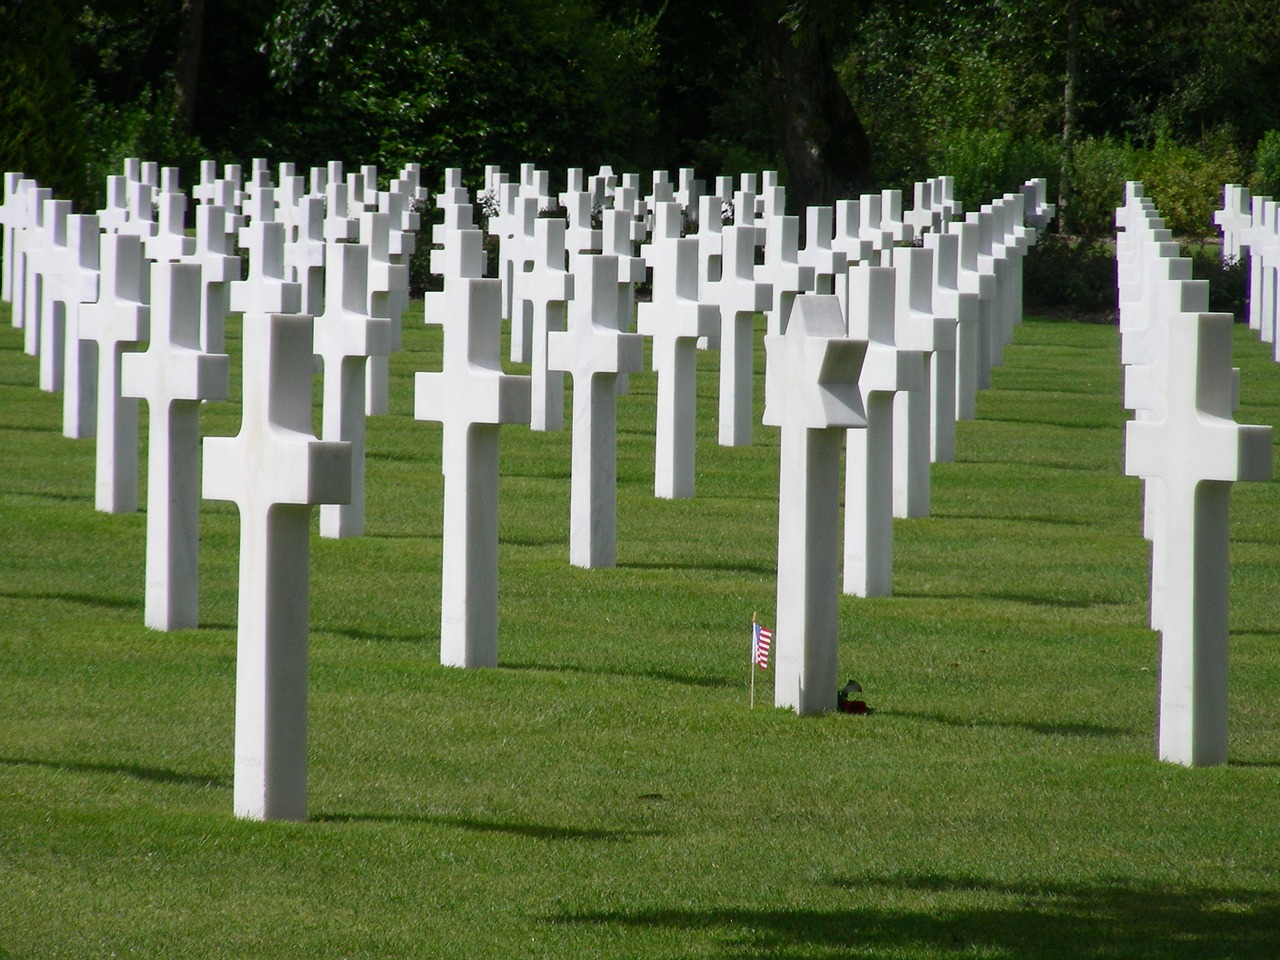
(459,83)
(40,131)
(1266,166)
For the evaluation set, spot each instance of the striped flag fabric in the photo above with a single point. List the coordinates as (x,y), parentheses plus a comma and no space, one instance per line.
(762,640)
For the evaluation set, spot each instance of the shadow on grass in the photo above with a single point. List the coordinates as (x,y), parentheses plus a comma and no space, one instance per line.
(533,831)
(1013,518)
(959,916)
(663,676)
(104,603)
(1030,600)
(1029,462)
(532,541)
(405,535)
(758,569)
(150,774)
(353,633)
(1090,731)
(50,495)
(1061,424)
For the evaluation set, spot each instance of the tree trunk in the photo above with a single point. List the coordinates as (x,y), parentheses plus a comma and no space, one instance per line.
(186,74)
(1069,116)
(827,151)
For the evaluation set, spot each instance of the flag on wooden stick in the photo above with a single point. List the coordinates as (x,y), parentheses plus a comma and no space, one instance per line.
(762,639)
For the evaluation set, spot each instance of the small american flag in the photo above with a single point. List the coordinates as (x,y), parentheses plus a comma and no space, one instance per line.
(762,640)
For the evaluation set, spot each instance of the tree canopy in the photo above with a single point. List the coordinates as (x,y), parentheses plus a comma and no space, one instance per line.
(841,96)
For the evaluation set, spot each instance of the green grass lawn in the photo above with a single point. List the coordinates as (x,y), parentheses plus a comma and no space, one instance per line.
(607,792)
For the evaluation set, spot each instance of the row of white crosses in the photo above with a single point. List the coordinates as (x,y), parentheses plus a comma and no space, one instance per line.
(158,285)
(71,310)
(1251,227)
(470,395)
(1185,445)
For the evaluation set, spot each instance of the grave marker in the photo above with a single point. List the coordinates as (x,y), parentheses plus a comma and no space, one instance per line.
(471,397)
(345,337)
(274,470)
(739,297)
(79,286)
(174,375)
(594,350)
(675,320)
(886,370)
(120,317)
(1196,450)
(815,367)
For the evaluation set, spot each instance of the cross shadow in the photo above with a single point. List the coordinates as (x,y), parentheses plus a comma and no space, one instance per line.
(663,676)
(1013,518)
(1091,731)
(1016,921)
(1062,424)
(533,831)
(720,566)
(105,603)
(50,495)
(136,771)
(1030,600)
(354,633)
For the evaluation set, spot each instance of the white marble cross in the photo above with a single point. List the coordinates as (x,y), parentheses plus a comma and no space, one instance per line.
(116,212)
(169,241)
(891,220)
(174,375)
(459,256)
(79,286)
(471,397)
(983,285)
(782,269)
(992,263)
(1196,451)
(739,296)
(266,289)
(675,320)
(887,369)
(848,241)
(506,223)
(274,470)
(710,235)
(580,237)
(345,337)
(11,222)
(205,190)
(140,217)
(1234,220)
(815,367)
(219,267)
(388,292)
(920,218)
(1040,212)
(594,350)
(35,239)
(689,193)
(962,308)
(818,253)
(544,290)
(120,317)
(519,246)
(616,241)
(918,413)
(304,253)
(48,262)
